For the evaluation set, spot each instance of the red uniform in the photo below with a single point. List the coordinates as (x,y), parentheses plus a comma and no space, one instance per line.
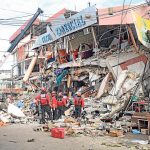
(54,107)
(44,99)
(54,102)
(65,99)
(79,102)
(45,106)
(62,102)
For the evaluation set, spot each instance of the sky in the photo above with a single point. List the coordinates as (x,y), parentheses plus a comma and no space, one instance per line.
(21,8)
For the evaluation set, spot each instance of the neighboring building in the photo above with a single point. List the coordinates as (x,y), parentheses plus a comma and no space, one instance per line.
(23,54)
(23,49)
(8,87)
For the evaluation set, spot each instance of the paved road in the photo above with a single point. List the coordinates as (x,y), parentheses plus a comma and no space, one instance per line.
(15,137)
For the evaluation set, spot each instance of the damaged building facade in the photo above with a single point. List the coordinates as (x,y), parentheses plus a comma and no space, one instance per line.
(97,52)
(92,60)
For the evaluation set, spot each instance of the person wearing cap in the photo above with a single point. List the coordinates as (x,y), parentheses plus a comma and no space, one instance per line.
(79,104)
(43,100)
(54,105)
(61,102)
(66,99)
(66,102)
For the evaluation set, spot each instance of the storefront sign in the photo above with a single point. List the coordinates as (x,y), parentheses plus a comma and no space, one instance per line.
(143,29)
(76,22)
(44,39)
(72,24)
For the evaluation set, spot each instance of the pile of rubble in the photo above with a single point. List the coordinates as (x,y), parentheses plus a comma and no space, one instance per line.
(115,82)
(17,112)
(108,91)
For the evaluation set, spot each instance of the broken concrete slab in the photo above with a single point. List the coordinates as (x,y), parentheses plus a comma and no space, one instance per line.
(110,100)
(15,111)
(103,86)
(120,80)
(93,76)
(128,85)
(126,61)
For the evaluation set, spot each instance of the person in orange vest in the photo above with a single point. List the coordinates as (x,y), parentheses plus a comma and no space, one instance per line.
(43,100)
(61,102)
(54,105)
(79,105)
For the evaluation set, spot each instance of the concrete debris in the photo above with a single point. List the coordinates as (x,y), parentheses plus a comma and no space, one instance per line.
(15,111)
(70,120)
(30,140)
(110,100)
(93,76)
(38,128)
(2,124)
(69,131)
(116,133)
(120,80)
(140,141)
(103,86)
(107,90)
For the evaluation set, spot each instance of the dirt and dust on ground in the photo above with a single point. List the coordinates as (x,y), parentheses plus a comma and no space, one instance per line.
(22,137)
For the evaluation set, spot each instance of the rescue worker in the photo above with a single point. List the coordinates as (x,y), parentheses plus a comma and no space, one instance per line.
(43,100)
(36,107)
(61,105)
(54,105)
(66,101)
(79,104)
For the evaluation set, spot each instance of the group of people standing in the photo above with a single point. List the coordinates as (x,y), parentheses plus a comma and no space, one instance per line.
(56,104)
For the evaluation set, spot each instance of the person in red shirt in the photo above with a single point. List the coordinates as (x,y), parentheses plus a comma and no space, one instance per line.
(36,107)
(61,102)
(79,104)
(43,100)
(54,105)
(65,99)
(66,102)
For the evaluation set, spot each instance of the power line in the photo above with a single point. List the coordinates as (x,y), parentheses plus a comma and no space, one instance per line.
(16,11)
(57,24)
(16,17)
(59,21)
(46,15)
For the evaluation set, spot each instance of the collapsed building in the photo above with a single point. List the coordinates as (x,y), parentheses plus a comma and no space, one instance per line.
(97,52)
(90,58)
